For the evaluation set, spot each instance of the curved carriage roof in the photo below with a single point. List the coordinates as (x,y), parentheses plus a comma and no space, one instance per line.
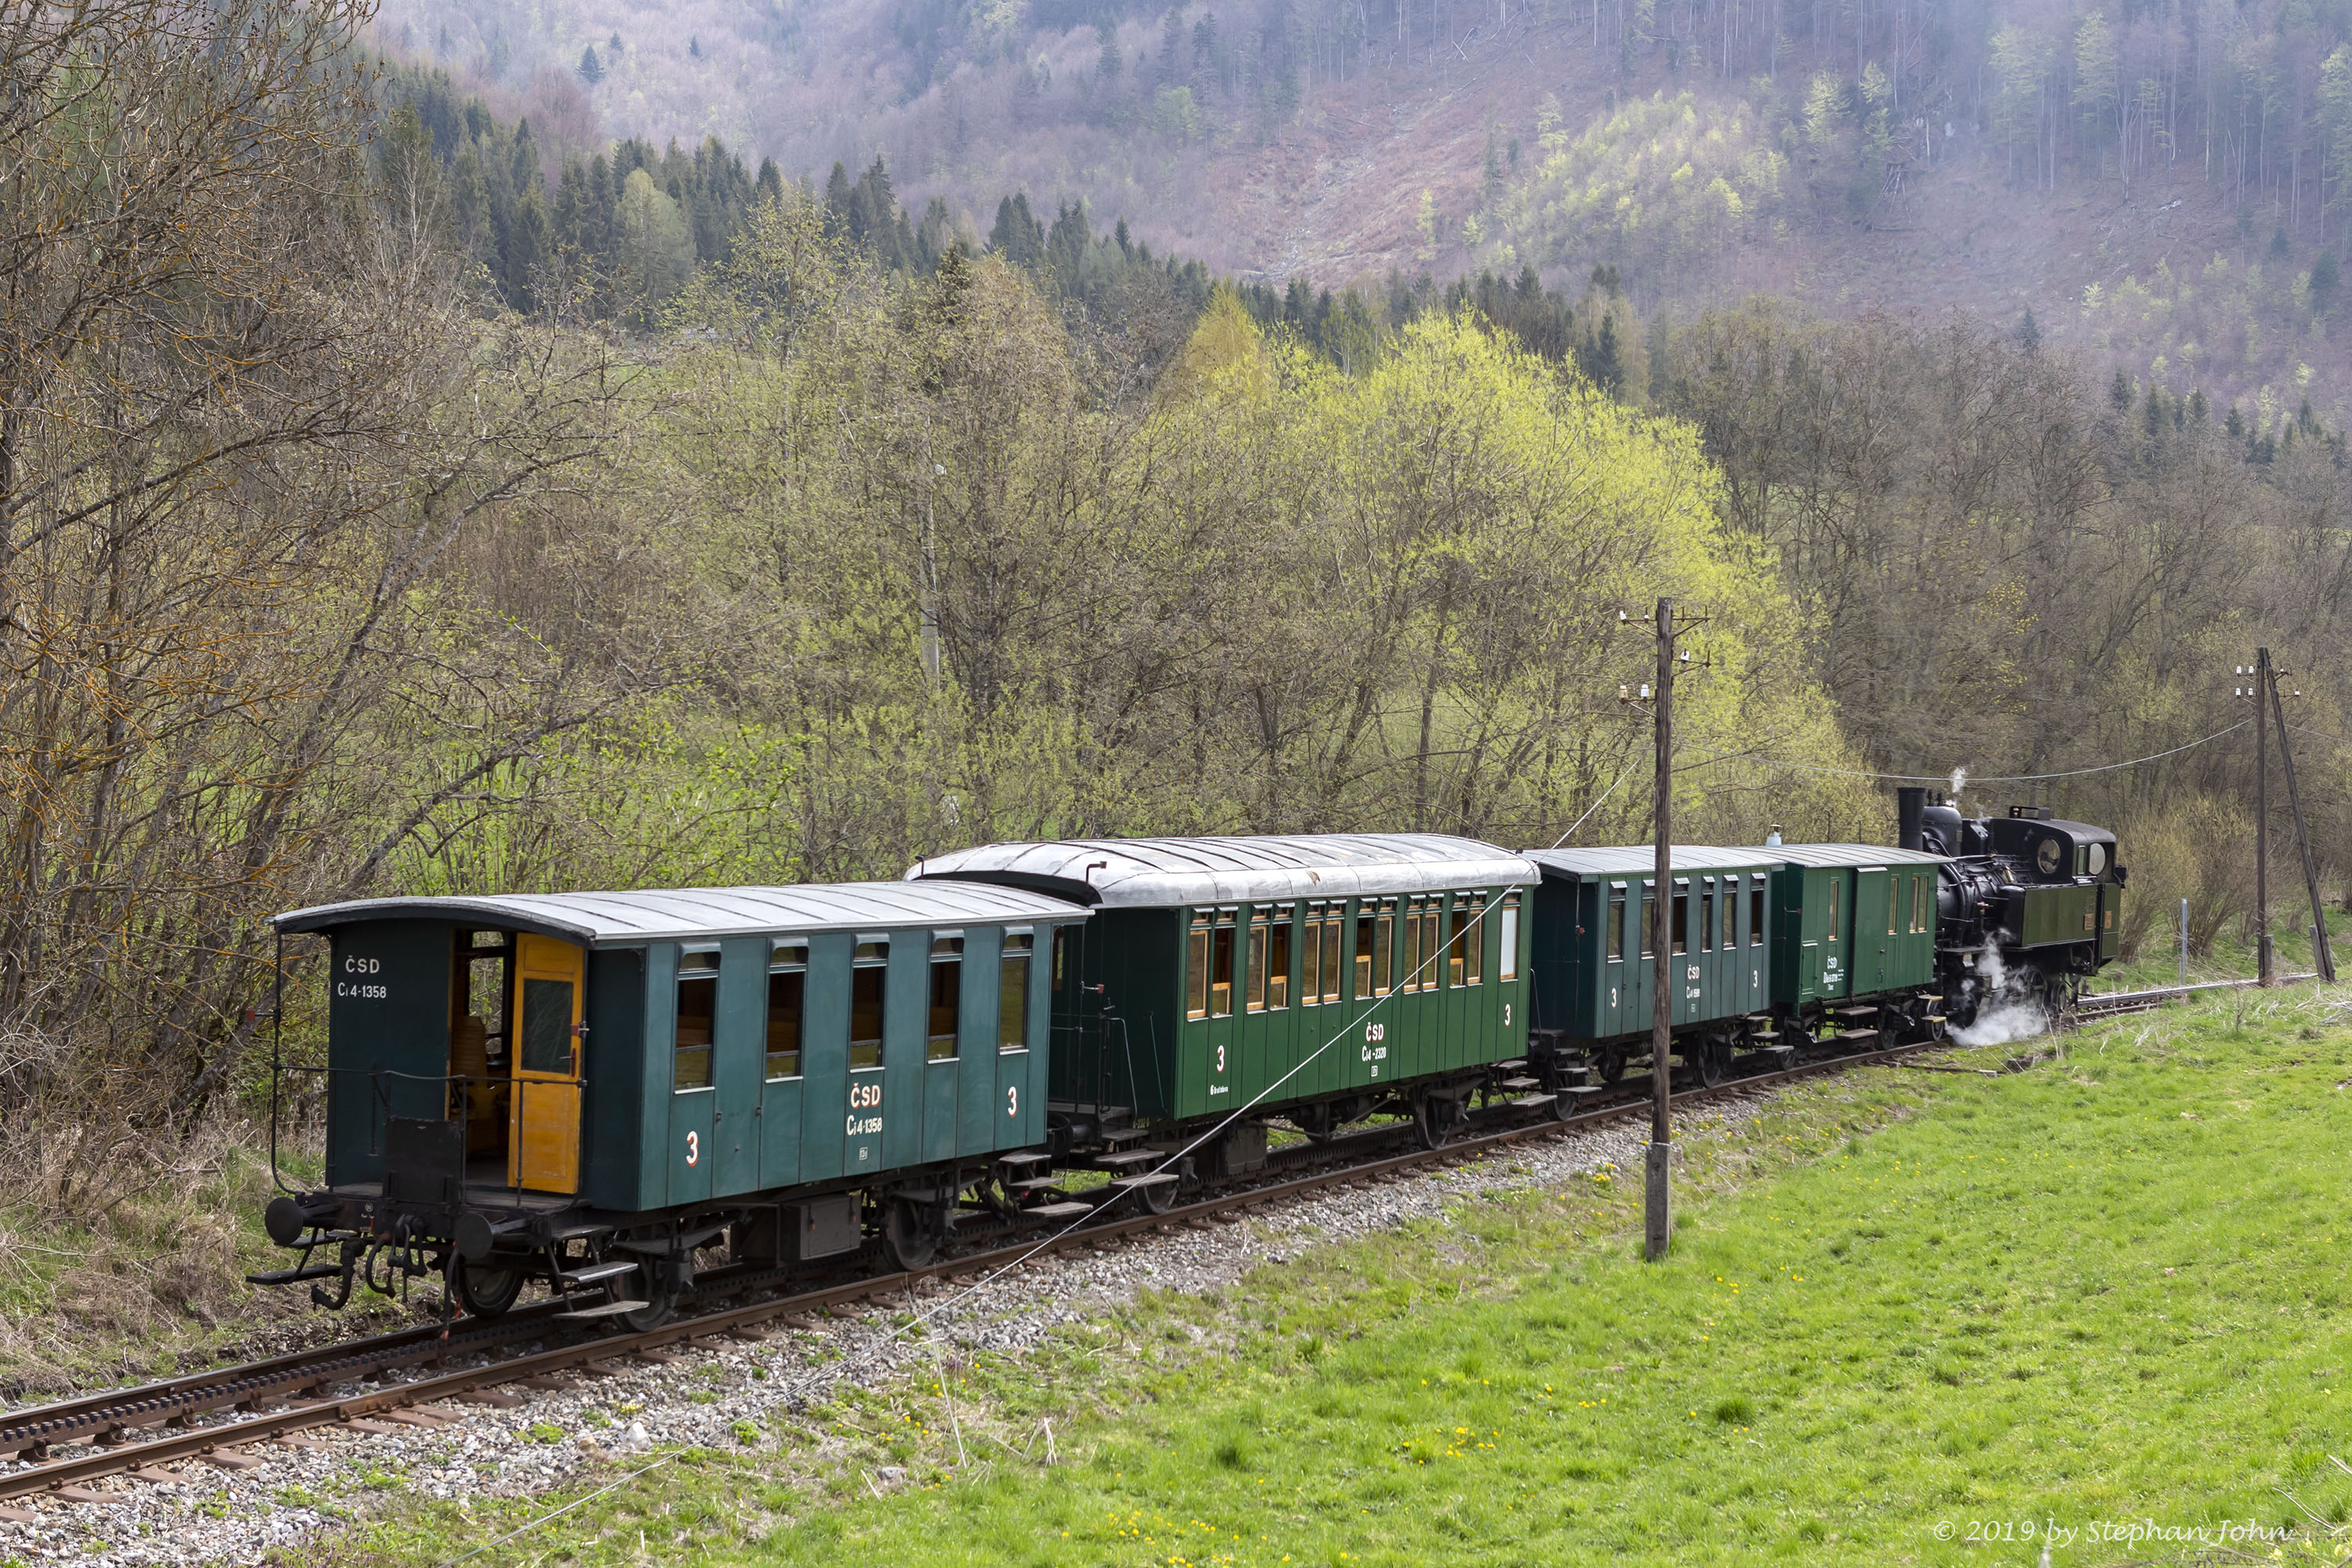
(1833,855)
(1641,859)
(1152,873)
(688,914)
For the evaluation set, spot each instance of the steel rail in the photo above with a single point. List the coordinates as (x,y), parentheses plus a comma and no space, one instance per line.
(307,1371)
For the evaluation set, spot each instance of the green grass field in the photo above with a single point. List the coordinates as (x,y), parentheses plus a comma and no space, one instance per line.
(1903,1309)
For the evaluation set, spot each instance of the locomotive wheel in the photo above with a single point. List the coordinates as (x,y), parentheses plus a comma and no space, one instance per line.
(911,1235)
(488,1288)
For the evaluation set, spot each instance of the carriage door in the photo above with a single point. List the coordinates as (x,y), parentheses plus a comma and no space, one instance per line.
(544,1148)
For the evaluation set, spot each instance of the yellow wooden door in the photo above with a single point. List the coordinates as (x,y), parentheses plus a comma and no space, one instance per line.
(543,1152)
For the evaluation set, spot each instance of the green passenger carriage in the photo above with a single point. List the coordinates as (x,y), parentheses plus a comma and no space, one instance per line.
(1593,965)
(1301,976)
(597,1088)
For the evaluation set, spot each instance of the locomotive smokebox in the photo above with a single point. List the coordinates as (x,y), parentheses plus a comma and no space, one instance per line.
(1910,812)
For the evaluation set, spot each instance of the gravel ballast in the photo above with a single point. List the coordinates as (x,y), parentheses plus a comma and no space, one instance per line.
(610,1424)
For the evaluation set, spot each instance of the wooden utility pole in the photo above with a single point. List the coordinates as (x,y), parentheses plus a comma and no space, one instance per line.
(2322,956)
(2265,968)
(1657,1220)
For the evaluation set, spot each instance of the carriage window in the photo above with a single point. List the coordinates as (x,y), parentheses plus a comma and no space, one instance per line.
(1277,960)
(1707,942)
(1332,957)
(1367,930)
(1012,994)
(1256,986)
(787,995)
(1433,928)
(1221,968)
(697,1009)
(1416,967)
(1061,946)
(1646,920)
(1508,969)
(1464,963)
(1613,932)
(865,978)
(1920,903)
(1384,951)
(1835,884)
(1756,914)
(947,998)
(1680,931)
(1894,906)
(1196,969)
(1310,986)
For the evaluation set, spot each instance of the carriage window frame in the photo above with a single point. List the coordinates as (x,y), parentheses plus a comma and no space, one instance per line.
(1708,932)
(1837,888)
(1415,964)
(1466,964)
(693,1064)
(1335,924)
(1015,955)
(1310,953)
(946,958)
(1384,937)
(787,960)
(1361,964)
(1645,923)
(1221,958)
(1507,969)
(1612,925)
(1253,961)
(1678,930)
(870,972)
(1196,965)
(1756,911)
(1279,950)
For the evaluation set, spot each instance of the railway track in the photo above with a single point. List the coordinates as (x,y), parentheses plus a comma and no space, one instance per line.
(2115,1003)
(213,1418)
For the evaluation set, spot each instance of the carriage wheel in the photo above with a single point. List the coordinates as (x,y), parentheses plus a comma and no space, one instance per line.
(1710,1060)
(1159,1197)
(911,1234)
(1612,1066)
(490,1287)
(1433,1118)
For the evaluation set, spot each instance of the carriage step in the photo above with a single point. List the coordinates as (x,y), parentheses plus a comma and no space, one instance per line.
(575,1232)
(1512,1065)
(1856,1036)
(1523,1083)
(296,1276)
(1028,1184)
(1058,1211)
(1854,1012)
(1127,1159)
(1149,1178)
(1584,1089)
(1025,1158)
(602,1310)
(1120,1137)
(579,1278)
(1530,1102)
(1763,1034)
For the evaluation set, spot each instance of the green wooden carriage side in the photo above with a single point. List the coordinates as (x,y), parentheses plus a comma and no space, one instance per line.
(1854,920)
(1190,993)
(1592,970)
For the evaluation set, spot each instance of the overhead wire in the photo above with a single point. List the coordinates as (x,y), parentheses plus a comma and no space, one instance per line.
(1971,778)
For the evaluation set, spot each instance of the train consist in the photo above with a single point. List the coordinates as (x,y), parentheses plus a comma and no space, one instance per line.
(613,1093)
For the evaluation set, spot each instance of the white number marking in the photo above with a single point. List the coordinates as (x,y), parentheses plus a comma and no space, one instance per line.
(1012,1100)
(693,1148)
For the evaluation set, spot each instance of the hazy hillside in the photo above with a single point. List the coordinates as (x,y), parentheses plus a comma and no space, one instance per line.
(2155,184)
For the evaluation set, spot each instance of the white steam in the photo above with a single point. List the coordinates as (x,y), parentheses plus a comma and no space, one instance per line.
(1960,781)
(2010,1010)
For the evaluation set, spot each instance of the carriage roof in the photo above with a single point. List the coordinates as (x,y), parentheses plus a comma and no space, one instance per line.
(1147,873)
(687,914)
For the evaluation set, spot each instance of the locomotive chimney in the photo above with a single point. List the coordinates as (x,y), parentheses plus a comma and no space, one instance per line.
(1910,811)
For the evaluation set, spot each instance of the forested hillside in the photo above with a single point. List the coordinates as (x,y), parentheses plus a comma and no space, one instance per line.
(377,514)
(2160,184)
